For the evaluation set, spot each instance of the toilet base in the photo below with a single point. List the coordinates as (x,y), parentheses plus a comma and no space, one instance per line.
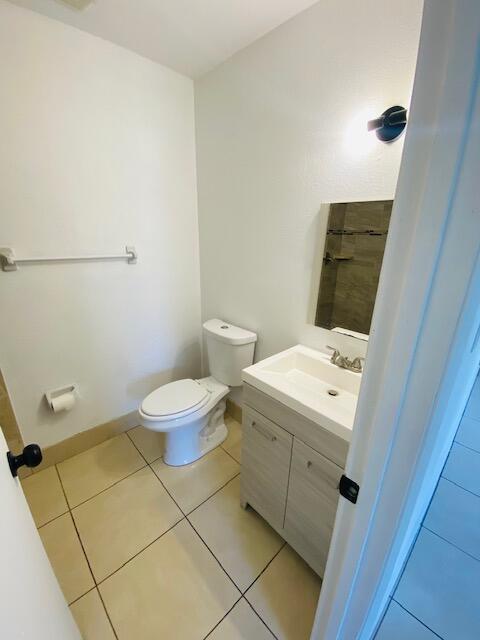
(176,453)
(193,441)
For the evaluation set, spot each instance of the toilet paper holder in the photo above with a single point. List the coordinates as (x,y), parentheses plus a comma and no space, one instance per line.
(62,398)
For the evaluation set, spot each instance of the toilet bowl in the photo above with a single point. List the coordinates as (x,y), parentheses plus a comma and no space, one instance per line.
(191,412)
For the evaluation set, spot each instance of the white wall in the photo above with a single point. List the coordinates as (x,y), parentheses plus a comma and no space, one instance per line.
(281,130)
(97,151)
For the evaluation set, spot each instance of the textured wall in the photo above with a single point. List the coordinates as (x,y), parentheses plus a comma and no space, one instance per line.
(281,129)
(98,151)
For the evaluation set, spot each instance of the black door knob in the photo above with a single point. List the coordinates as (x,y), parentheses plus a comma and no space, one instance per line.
(31,456)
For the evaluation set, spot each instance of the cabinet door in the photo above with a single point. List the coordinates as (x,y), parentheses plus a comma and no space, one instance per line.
(266,452)
(311,504)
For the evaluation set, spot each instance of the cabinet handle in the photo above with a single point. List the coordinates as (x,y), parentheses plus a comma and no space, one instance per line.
(263,432)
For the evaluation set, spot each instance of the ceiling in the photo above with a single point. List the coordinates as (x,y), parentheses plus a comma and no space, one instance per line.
(189,36)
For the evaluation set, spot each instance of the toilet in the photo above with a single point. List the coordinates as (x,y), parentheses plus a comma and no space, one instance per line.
(191,412)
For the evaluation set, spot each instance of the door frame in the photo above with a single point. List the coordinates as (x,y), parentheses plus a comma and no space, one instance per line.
(424,350)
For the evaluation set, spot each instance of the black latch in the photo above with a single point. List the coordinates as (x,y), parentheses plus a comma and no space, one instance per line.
(348,489)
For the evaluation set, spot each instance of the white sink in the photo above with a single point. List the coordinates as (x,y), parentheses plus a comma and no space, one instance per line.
(306,381)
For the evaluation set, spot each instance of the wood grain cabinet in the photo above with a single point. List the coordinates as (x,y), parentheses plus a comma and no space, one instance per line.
(266,454)
(311,504)
(291,484)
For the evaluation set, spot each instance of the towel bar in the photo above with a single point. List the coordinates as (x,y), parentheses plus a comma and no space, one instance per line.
(9,262)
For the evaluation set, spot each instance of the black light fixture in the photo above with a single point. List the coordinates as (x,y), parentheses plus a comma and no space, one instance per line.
(390,124)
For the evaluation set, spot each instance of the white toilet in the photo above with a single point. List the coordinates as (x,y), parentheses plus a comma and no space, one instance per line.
(191,412)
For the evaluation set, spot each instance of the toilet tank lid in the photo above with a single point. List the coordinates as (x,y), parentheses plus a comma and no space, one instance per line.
(229,333)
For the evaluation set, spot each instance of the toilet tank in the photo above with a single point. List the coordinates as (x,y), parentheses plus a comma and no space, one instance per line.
(230,349)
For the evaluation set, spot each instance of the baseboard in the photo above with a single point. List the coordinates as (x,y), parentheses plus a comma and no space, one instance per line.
(80,442)
(86,439)
(234,410)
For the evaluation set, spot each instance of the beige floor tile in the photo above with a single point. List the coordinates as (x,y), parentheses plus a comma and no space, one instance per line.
(286,595)
(173,589)
(45,497)
(240,539)
(91,618)
(148,442)
(192,484)
(123,520)
(66,557)
(88,473)
(242,623)
(233,443)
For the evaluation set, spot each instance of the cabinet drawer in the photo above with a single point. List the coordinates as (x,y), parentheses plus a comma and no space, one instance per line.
(266,452)
(323,440)
(311,504)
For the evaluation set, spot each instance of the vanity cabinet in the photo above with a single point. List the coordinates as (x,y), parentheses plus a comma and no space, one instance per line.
(311,504)
(289,482)
(266,454)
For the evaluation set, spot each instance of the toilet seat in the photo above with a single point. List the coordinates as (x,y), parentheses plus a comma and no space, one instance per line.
(175,399)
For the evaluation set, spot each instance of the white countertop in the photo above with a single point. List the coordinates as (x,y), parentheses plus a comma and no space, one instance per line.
(301,379)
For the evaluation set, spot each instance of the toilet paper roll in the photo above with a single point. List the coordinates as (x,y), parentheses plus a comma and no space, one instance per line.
(63,402)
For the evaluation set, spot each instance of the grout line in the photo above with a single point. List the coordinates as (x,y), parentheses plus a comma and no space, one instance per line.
(217,560)
(213,494)
(168,492)
(185,517)
(141,551)
(460,486)
(259,617)
(83,594)
(86,559)
(231,456)
(70,509)
(76,530)
(262,572)
(106,612)
(413,616)
(185,513)
(53,519)
(450,542)
(221,565)
(95,588)
(103,490)
(465,446)
(222,619)
(149,464)
(132,441)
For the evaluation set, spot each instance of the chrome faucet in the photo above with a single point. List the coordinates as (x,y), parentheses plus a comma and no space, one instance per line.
(355,365)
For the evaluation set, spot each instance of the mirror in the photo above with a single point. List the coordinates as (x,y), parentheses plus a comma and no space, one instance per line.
(352,245)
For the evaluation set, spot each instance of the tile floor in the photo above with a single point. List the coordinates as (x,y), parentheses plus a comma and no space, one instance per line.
(145,551)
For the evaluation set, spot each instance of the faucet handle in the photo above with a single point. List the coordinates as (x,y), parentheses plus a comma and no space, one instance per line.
(357,364)
(335,354)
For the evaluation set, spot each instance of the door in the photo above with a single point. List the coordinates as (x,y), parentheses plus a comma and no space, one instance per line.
(424,351)
(311,504)
(266,452)
(31,602)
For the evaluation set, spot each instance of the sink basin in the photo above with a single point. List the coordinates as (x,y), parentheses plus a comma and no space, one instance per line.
(306,381)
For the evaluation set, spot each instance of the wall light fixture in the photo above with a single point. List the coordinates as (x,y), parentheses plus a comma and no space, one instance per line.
(390,125)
